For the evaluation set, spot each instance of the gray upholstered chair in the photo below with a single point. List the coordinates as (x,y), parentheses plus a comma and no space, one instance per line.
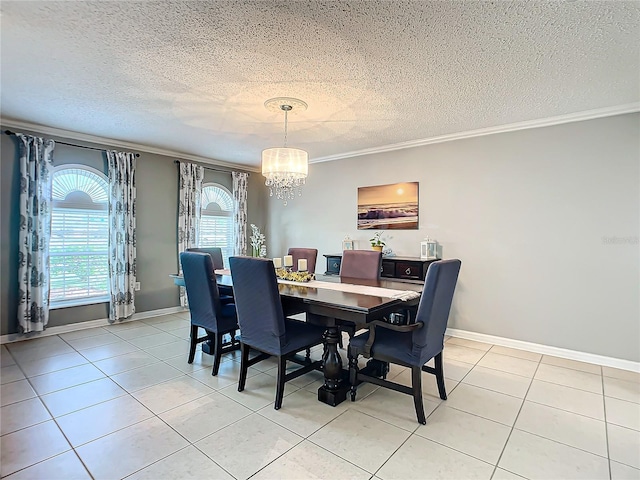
(263,326)
(362,264)
(311,254)
(205,308)
(411,345)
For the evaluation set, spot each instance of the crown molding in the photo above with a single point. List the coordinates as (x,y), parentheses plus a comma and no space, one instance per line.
(68,134)
(511,127)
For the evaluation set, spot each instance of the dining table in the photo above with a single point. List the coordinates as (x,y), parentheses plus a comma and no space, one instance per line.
(332,301)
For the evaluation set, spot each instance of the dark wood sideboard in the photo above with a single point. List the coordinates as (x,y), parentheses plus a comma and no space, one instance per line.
(400,268)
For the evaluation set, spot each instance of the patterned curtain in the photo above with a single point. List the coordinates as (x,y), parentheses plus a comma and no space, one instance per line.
(122,234)
(190,190)
(36,165)
(240,212)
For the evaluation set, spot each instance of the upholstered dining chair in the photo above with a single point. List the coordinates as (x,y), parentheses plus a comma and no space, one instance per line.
(362,264)
(411,345)
(263,326)
(226,293)
(207,312)
(311,254)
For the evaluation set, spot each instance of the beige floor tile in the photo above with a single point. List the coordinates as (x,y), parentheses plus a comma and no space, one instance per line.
(624,445)
(187,464)
(143,377)
(360,439)
(5,357)
(66,466)
(81,396)
(204,416)
(141,330)
(124,325)
(53,364)
(501,474)
(364,389)
(532,456)
(462,354)
(31,445)
(429,384)
(470,434)
(420,458)
(620,412)
(200,361)
(513,365)
(463,342)
(93,341)
(91,423)
(259,391)
(569,378)
(17,416)
(573,364)
(9,374)
(485,403)
(37,348)
(565,427)
(303,380)
(248,445)
(173,393)
(166,318)
(134,447)
(621,374)
(620,471)
(173,325)
(621,389)
(124,363)
(15,392)
(303,414)
(307,460)
(567,398)
(454,370)
(498,381)
(172,349)
(107,351)
(515,352)
(228,375)
(393,407)
(61,379)
(150,341)
(85,332)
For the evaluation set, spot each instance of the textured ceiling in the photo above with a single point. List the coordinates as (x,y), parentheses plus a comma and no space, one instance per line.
(192,76)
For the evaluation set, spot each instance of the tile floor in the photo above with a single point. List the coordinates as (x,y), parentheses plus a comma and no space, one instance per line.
(121,401)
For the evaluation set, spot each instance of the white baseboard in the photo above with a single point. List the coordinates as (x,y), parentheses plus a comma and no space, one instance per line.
(72,327)
(547,350)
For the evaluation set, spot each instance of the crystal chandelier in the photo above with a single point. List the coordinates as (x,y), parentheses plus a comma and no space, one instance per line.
(285,168)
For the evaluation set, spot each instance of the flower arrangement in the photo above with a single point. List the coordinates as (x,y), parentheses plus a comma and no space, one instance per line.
(285,274)
(257,240)
(376,241)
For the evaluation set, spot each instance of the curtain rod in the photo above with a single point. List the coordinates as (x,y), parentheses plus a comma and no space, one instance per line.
(204,165)
(9,132)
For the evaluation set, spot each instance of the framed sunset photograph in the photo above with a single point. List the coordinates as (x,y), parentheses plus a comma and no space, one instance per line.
(388,207)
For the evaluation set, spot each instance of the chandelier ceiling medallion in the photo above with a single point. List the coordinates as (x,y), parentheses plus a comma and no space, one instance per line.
(285,168)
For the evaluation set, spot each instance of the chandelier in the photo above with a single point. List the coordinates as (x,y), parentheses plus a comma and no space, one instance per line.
(285,168)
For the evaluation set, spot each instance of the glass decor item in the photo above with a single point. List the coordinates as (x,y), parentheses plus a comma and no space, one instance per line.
(428,249)
(285,168)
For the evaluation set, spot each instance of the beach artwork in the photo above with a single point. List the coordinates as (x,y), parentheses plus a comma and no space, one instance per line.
(388,207)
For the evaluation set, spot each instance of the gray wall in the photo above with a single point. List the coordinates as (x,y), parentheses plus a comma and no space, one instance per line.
(157,197)
(531,214)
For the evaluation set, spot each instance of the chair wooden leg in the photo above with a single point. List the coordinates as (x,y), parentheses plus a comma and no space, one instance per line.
(194,342)
(244,361)
(307,357)
(217,353)
(353,374)
(440,376)
(282,371)
(416,385)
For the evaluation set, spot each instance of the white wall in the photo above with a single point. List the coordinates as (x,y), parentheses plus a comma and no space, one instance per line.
(530,214)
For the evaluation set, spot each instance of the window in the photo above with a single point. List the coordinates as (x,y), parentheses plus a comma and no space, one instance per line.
(79,246)
(216,222)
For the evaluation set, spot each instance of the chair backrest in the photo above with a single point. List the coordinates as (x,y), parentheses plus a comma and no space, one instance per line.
(434,307)
(311,254)
(258,305)
(364,264)
(216,255)
(202,289)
